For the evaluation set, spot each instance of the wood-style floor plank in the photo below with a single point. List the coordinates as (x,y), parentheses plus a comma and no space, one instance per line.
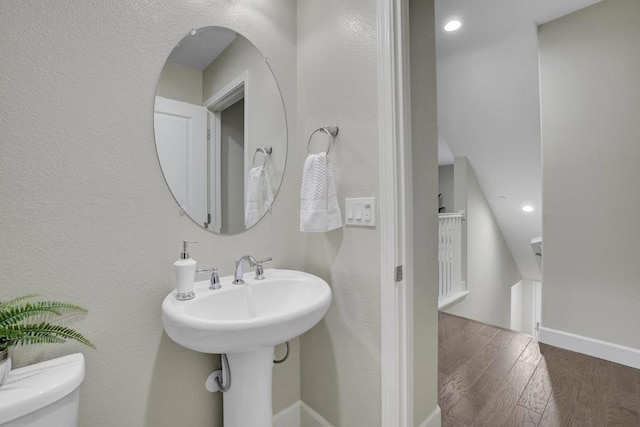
(593,395)
(504,400)
(451,390)
(566,370)
(523,417)
(622,405)
(462,353)
(453,352)
(538,391)
(505,378)
(462,414)
(470,404)
(452,345)
(491,378)
(489,331)
(449,327)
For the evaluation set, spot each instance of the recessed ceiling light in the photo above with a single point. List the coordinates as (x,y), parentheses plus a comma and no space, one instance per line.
(453,25)
(527,208)
(502,197)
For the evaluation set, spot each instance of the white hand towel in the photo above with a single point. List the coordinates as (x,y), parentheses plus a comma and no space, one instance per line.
(319,209)
(259,195)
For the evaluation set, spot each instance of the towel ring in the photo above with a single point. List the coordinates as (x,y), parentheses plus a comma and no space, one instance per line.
(264,150)
(331,131)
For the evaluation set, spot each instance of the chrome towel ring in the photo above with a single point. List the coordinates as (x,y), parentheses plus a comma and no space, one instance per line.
(264,150)
(331,131)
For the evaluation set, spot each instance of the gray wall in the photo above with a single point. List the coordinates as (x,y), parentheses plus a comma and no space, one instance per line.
(181,83)
(590,63)
(522,307)
(261,99)
(337,84)
(445,187)
(424,157)
(490,270)
(85,213)
(232,167)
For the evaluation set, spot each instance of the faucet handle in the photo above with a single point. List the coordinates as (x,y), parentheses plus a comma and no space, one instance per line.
(215,278)
(260,269)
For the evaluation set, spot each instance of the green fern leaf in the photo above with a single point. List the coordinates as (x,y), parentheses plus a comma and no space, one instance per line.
(46,319)
(13,336)
(17,314)
(39,333)
(13,302)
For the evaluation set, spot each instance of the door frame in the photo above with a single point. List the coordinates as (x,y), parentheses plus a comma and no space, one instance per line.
(396,296)
(232,92)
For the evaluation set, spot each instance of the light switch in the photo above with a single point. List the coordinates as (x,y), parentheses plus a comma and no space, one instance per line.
(349,212)
(360,211)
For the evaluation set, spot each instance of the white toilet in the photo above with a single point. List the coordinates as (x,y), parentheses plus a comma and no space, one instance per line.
(46,394)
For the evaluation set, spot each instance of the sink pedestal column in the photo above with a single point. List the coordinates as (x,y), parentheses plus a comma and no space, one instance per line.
(247,403)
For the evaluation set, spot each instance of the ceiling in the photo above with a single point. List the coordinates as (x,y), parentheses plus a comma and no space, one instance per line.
(489,110)
(199,48)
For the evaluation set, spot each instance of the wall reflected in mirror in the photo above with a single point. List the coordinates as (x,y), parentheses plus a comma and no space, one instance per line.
(220,130)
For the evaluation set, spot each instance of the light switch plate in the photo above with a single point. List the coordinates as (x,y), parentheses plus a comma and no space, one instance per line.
(360,211)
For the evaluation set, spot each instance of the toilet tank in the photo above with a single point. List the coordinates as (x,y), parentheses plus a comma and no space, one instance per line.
(44,394)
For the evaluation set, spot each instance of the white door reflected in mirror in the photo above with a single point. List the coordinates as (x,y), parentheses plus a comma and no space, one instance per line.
(181,142)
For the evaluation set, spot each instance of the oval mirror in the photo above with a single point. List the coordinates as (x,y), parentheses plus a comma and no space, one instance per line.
(220,129)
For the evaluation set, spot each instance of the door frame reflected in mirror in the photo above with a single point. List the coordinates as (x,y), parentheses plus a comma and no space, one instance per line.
(233,92)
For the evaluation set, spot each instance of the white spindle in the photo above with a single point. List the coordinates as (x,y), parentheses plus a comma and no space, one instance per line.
(449,254)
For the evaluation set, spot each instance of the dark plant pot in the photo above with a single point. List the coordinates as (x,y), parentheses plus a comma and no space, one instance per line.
(5,366)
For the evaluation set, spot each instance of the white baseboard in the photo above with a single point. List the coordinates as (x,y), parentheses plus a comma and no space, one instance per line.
(300,414)
(433,420)
(310,417)
(601,349)
(452,299)
(289,417)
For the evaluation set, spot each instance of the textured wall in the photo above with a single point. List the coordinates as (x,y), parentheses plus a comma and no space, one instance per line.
(85,213)
(490,268)
(337,84)
(589,64)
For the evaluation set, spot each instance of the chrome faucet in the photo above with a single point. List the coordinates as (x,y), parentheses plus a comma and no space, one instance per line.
(215,278)
(260,269)
(239,266)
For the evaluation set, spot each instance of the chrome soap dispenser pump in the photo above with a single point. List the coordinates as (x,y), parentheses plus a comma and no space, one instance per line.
(185,269)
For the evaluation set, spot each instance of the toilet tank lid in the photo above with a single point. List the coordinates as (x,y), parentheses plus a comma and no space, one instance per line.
(33,387)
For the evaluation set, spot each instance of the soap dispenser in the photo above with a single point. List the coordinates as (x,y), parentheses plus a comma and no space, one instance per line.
(185,274)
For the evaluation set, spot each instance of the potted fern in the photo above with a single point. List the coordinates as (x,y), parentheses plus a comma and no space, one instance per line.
(25,321)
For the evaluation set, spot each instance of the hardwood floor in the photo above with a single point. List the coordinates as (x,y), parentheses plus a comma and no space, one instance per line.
(489,376)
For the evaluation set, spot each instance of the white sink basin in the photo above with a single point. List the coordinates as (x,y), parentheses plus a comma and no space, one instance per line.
(244,318)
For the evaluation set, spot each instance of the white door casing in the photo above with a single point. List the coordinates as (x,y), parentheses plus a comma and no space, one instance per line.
(232,92)
(395,214)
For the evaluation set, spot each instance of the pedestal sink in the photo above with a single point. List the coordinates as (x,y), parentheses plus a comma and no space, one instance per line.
(246,322)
